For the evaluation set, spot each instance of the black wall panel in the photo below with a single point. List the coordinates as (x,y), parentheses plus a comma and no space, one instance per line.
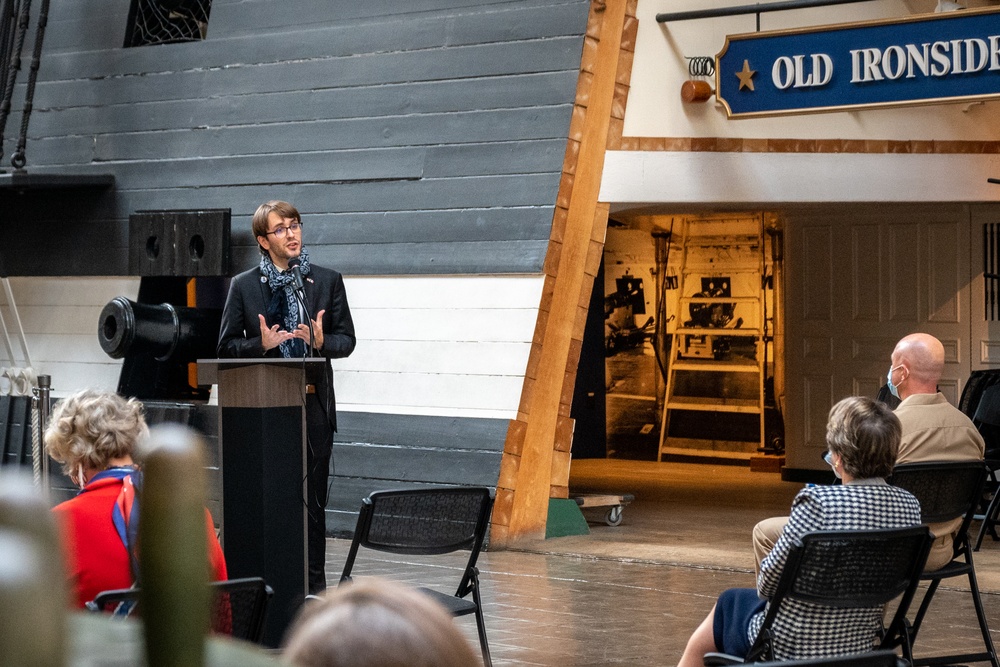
(444,120)
(422,97)
(373,452)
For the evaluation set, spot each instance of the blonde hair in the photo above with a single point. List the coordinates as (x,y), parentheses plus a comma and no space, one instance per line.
(90,428)
(375,622)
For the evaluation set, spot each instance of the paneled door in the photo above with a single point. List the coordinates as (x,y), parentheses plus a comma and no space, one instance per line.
(985,348)
(859,278)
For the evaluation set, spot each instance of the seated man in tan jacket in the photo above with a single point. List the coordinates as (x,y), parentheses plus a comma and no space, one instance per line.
(933,430)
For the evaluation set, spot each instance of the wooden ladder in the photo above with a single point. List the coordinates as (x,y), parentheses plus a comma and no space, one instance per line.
(721,281)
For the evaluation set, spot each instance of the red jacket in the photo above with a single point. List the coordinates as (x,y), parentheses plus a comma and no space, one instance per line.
(96,559)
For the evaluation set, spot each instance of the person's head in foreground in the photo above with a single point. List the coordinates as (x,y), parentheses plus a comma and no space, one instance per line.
(862,436)
(375,622)
(91,431)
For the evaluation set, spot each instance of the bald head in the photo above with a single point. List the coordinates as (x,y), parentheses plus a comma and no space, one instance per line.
(921,358)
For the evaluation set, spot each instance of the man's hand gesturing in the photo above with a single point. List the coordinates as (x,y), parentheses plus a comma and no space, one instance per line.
(272,337)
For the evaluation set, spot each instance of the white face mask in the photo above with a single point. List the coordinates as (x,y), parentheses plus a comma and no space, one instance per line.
(80,481)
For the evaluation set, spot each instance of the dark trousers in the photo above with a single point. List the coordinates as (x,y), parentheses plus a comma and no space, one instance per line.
(318,476)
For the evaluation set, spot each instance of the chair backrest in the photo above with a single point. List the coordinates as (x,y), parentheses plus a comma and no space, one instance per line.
(433,520)
(855,568)
(975,386)
(851,569)
(988,409)
(239,606)
(983,411)
(987,419)
(884,658)
(946,490)
(243,603)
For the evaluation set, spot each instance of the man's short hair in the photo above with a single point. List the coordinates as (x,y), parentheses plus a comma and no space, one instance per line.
(259,224)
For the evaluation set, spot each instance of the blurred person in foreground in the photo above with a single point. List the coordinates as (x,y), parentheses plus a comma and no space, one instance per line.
(93,434)
(862,436)
(375,622)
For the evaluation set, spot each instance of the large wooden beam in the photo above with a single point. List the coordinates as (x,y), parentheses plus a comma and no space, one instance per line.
(538,440)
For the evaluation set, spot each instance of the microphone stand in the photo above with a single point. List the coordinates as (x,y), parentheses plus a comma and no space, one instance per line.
(299,289)
(300,296)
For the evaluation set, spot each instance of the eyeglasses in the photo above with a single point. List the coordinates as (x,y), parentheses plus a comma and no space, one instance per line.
(280,231)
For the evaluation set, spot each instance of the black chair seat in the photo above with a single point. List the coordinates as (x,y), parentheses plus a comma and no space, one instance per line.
(881,658)
(457,606)
(952,569)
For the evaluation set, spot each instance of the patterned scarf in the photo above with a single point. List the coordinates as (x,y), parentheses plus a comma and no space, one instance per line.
(284,307)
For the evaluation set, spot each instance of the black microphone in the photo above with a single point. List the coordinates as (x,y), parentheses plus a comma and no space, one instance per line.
(293,264)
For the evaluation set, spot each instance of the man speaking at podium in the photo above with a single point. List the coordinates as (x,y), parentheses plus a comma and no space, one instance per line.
(264,316)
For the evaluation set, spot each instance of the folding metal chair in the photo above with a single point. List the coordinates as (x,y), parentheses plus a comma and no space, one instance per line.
(239,606)
(429,521)
(987,420)
(841,570)
(948,491)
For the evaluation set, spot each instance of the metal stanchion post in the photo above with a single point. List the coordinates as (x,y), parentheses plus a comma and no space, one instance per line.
(44,393)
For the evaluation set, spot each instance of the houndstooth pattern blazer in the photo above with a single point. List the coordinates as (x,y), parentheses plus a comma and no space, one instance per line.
(805,630)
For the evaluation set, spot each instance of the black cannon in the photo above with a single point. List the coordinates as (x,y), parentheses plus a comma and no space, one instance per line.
(166,332)
(157,342)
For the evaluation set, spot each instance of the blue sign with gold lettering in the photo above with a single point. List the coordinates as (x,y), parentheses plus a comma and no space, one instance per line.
(921,60)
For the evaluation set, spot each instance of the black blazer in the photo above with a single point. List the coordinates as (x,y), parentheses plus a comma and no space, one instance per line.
(248,297)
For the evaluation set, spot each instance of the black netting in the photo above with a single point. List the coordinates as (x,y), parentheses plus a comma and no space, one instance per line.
(944,490)
(855,572)
(167,21)
(426,520)
(235,610)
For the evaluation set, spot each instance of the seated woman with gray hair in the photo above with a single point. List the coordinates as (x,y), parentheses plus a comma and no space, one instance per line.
(862,437)
(93,435)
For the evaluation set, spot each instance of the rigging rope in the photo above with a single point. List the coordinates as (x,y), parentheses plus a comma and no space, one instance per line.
(11,57)
(18,160)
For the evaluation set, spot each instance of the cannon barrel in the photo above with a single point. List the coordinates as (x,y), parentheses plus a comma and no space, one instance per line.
(164,331)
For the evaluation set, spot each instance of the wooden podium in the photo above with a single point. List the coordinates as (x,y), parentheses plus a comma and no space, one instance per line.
(262,436)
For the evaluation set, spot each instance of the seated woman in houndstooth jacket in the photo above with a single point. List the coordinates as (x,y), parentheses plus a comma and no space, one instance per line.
(862,436)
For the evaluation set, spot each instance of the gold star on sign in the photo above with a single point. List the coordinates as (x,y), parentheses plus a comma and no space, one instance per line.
(746,76)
